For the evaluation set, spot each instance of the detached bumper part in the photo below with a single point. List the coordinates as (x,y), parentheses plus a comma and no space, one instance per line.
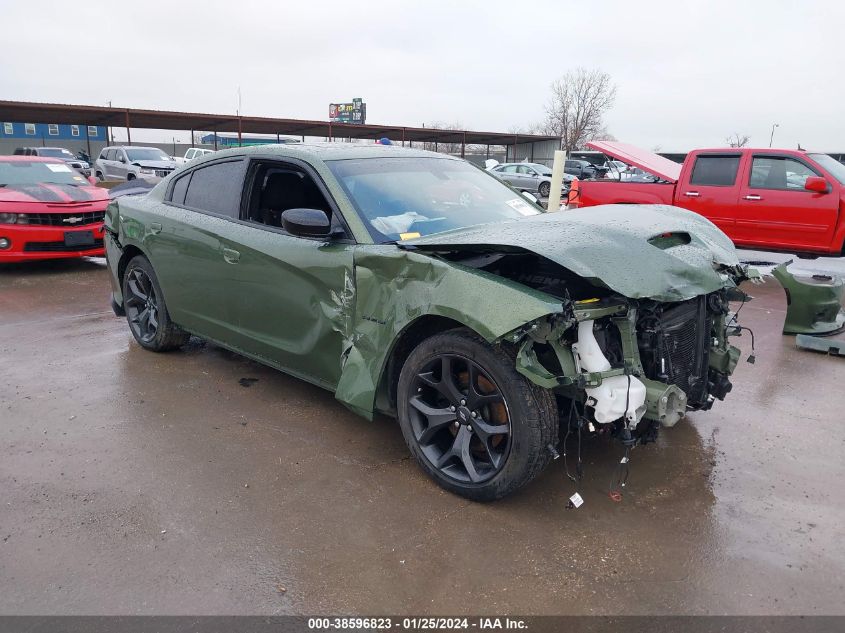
(830,346)
(814,304)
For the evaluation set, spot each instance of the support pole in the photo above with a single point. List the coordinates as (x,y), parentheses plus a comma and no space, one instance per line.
(463,144)
(88,142)
(557,181)
(239,131)
(128,134)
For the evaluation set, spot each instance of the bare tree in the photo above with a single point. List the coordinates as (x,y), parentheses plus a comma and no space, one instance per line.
(737,140)
(577,106)
(450,147)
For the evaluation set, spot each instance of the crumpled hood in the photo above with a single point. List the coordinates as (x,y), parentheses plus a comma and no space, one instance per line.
(609,246)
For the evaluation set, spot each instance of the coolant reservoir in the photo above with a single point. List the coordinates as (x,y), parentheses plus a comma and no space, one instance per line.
(609,398)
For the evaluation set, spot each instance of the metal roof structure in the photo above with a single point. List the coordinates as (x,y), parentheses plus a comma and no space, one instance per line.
(166,120)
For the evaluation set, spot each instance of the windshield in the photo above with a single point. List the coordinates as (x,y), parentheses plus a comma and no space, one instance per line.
(34,173)
(833,166)
(403,198)
(147,153)
(55,152)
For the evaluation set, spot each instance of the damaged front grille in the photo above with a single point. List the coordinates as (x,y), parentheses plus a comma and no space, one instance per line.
(674,343)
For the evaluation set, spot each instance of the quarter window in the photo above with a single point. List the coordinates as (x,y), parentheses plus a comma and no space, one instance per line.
(716,171)
(29,128)
(53,129)
(180,187)
(74,130)
(772,172)
(8,128)
(217,188)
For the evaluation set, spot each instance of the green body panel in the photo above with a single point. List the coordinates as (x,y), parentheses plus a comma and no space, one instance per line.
(814,306)
(394,288)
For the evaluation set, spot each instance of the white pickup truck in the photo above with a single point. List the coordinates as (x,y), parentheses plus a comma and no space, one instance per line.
(192,153)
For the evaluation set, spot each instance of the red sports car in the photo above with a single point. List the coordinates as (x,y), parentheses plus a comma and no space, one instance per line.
(48,210)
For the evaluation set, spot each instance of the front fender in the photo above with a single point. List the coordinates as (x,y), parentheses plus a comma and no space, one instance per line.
(394,288)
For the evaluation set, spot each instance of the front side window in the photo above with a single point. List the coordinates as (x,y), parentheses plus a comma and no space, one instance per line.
(400,198)
(509,169)
(217,188)
(29,128)
(715,171)
(53,129)
(778,172)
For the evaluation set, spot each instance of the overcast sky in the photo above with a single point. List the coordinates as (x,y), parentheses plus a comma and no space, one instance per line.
(688,73)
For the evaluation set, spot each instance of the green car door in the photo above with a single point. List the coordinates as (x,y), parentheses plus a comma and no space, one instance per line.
(189,252)
(293,296)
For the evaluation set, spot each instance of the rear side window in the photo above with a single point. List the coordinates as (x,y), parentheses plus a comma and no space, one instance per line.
(217,188)
(717,171)
(180,187)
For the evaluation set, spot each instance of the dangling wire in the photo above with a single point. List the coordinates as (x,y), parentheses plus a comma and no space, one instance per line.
(620,476)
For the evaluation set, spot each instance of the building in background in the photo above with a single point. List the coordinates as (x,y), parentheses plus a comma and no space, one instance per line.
(73,137)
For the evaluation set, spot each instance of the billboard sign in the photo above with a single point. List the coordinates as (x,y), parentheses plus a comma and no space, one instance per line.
(355,112)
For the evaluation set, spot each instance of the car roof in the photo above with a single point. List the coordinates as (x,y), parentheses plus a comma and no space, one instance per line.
(332,151)
(30,159)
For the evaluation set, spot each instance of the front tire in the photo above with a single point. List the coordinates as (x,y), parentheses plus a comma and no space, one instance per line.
(146,312)
(475,425)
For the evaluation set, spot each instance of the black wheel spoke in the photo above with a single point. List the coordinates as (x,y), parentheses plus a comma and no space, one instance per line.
(153,320)
(136,288)
(486,431)
(466,455)
(437,419)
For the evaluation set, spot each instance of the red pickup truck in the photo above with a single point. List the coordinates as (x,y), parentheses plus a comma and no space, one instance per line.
(771,199)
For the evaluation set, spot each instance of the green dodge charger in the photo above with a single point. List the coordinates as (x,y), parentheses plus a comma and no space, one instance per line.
(416,285)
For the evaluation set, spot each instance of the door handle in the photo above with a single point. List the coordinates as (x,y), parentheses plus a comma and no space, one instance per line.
(155,227)
(231,256)
(692,194)
(752,197)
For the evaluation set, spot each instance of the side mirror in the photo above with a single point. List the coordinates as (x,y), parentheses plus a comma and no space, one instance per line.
(531,197)
(122,159)
(92,180)
(816,184)
(306,222)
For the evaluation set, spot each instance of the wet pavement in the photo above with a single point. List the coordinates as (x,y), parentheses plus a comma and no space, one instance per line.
(136,483)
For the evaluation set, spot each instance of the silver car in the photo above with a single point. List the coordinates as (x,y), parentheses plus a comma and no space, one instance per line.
(126,162)
(531,177)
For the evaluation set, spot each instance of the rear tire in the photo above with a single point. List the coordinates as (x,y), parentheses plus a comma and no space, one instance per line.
(544,189)
(146,312)
(130,177)
(475,425)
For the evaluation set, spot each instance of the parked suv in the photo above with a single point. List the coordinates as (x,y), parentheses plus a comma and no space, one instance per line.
(128,163)
(192,153)
(57,152)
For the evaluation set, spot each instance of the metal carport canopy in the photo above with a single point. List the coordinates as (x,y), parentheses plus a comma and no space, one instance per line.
(29,112)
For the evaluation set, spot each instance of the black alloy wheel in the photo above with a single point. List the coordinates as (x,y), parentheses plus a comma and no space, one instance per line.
(460,419)
(475,425)
(142,309)
(147,315)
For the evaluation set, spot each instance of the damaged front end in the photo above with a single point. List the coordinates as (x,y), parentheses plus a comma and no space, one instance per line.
(632,364)
(642,336)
